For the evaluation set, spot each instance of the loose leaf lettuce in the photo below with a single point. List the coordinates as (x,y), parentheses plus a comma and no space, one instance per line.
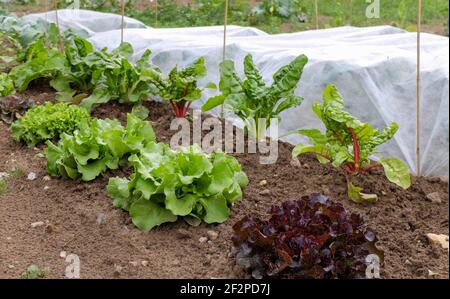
(187,183)
(97,147)
(251,100)
(6,85)
(308,238)
(349,143)
(48,122)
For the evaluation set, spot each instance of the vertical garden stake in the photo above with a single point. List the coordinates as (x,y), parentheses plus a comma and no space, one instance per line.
(225,22)
(123,21)
(156,13)
(60,41)
(418,122)
(316,8)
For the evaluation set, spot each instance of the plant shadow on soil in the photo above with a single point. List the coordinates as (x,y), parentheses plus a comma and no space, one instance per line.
(116,249)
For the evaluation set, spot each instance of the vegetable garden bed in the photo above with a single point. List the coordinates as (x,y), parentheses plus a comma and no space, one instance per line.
(78,217)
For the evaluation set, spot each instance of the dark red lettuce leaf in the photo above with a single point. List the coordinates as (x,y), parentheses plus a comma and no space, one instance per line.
(308,238)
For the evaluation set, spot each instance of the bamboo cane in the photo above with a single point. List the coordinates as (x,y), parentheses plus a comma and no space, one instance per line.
(156,13)
(225,22)
(418,106)
(123,21)
(316,9)
(60,41)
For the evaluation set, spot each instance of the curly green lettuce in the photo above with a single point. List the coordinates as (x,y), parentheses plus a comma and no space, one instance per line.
(48,122)
(6,85)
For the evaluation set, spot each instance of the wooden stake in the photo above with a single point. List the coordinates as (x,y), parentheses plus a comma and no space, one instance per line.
(156,13)
(46,10)
(60,41)
(225,22)
(351,12)
(123,21)
(316,9)
(418,106)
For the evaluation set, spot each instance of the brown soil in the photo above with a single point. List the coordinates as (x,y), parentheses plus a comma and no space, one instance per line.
(116,249)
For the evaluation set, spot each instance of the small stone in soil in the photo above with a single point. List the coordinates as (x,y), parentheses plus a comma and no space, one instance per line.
(46,187)
(203,239)
(63,254)
(50,228)
(175,262)
(11,266)
(100,217)
(431,273)
(295,162)
(37,224)
(183,234)
(263,183)
(212,234)
(439,240)
(144,263)
(265,192)
(46,178)
(31,176)
(117,269)
(434,197)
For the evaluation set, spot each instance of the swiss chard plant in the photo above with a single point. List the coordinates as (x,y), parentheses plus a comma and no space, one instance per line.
(308,238)
(187,183)
(40,62)
(251,100)
(180,88)
(348,143)
(114,77)
(48,122)
(97,147)
(85,76)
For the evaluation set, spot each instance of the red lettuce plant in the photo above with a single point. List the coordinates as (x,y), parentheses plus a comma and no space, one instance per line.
(308,238)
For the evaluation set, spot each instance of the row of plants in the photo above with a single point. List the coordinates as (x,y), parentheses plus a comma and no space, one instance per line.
(83,75)
(166,184)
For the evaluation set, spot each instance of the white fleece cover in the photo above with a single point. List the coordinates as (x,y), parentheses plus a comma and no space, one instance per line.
(374,68)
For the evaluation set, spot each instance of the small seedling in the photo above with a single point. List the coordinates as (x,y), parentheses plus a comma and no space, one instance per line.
(34,272)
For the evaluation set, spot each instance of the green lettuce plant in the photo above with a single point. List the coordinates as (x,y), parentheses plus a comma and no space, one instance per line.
(48,122)
(97,147)
(6,85)
(251,100)
(166,184)
(348,143)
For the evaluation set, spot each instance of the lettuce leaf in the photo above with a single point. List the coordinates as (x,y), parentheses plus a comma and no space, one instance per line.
(185,183)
